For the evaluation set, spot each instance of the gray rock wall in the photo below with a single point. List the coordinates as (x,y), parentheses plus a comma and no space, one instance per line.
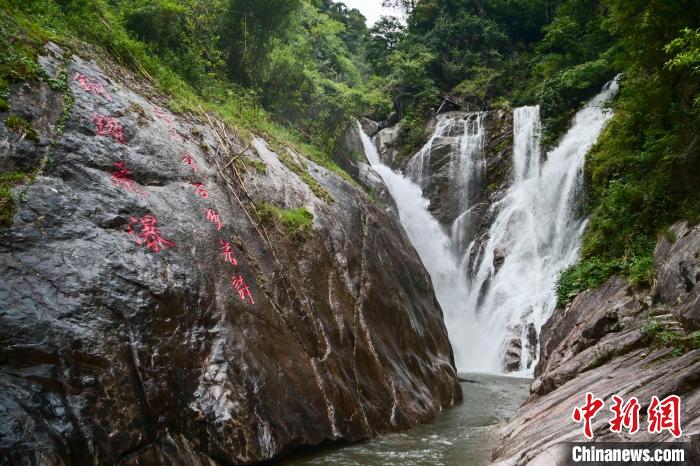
(115,353)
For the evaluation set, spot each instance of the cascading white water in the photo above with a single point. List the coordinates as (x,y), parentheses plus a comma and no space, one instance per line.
(461,136)
(536,233)
(426,235)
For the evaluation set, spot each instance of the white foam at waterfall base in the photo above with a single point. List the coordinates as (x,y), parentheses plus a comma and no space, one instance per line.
(536,231)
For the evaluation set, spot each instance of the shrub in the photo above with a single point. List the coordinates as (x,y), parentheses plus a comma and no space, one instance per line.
(22,127)
(582,276)
(297,222)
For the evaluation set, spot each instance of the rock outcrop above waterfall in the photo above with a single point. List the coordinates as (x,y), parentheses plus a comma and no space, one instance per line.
(436,167)
(438,173)
(615,340)
(349,154)
(113,353)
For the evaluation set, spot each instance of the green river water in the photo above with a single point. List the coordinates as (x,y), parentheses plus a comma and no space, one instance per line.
(462,436)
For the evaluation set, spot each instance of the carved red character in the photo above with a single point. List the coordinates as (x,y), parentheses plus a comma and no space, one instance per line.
(175,136)
(626,415)
(214,218)
(587,412)
(665,415)
(187,158)
(228,253)
(109,126)
(149,234)
(91,86)
(123,178)
(200,191)
(242,288)
(161,115)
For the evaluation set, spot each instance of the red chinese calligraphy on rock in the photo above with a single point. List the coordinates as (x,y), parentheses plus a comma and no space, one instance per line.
(242,288)
(188,160)
(162,116)
(149,234)
(665,415)
(626,415)
(587,412)
(175,136)
(200,191)
(214,218)
(123,178)
(109,126)
(91,86)
(228,253)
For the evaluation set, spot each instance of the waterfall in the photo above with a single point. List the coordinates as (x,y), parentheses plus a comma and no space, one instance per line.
(425,233)
(461,136)
(495,310)
(536,234)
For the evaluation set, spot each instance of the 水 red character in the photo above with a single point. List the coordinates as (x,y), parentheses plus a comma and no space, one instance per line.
(189,160)
(200,191)
(123,178)
(149,234)
(626,415)
(91,86)
(665,415)
(228,253)
(160,114)
(587,412)
(214,218)
(109,126)
(242,288)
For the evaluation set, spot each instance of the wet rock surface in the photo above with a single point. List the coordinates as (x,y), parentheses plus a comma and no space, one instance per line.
(443,160)
(607,342)
(112,353)
(350,156)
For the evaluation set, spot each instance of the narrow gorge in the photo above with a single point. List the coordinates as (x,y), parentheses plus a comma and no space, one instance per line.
(358,233)
(495,238)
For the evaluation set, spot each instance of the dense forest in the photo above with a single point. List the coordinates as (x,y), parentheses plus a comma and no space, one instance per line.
(300,70)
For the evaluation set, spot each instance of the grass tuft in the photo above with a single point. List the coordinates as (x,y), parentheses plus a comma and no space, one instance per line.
(22,127)
(297,222)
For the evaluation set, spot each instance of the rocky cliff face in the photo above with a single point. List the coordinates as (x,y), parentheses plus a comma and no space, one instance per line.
(616,340)
(170,296)
(456,178)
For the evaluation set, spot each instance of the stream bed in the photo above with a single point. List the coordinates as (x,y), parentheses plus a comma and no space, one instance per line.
(461,436)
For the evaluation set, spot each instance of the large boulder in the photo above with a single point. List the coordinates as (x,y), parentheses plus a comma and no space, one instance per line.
(615,340)
(677,259)
(252,330)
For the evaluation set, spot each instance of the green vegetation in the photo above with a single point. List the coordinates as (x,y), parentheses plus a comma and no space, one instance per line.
(22,127)
(8,203)
(602,354)
(288,70)
(297,72)
(656,333)
(297,222)
(256,165)
(643,173)
(582,276)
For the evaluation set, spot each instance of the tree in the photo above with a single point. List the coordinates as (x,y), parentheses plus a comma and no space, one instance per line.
(248,30)
(381,40)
